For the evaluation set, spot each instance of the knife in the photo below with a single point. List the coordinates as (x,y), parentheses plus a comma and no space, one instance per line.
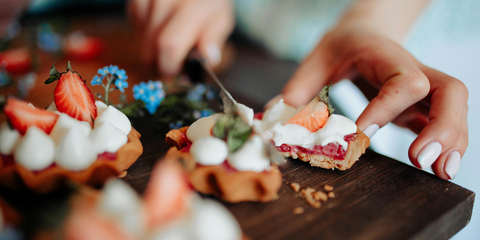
(230,106)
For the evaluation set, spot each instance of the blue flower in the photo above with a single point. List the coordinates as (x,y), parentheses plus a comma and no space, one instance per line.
(97,80)
(113,69)
(104,71)
(196,93)
(121,74)
(206,112)
(176,125)
(151,108)
(155,85)
(121,84)
(140,91)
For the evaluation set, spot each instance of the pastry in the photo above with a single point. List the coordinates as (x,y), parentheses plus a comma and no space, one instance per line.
(313,133)
(168,210)
(75,138)
(224,157)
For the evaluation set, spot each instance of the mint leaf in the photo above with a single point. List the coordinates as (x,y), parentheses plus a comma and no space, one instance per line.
(231,128)
(238,134)
(323,95)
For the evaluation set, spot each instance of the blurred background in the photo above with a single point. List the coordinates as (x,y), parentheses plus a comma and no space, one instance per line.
(445,37)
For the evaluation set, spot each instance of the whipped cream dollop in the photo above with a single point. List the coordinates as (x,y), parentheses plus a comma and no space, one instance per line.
(209,151)
(205,219)
(272,126)
(206,149)
(72,144)
(9,138)
(251,156)
(36,150)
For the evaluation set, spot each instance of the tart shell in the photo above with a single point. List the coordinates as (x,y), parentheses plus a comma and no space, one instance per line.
(355,149)
(228,184)
(52,178)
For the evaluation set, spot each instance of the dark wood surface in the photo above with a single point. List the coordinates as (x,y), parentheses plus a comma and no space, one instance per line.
(378,198)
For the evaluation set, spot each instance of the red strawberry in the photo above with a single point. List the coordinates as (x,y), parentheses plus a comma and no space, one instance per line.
(16,60)
(72,95)
(83,48)
(22,116)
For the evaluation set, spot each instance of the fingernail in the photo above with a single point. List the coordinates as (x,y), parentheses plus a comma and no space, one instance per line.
(452,164)
(371,130)
(166,64)
(214,54)
(273,101)
(429,154)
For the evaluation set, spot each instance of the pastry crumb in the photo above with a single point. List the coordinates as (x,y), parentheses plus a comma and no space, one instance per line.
(295,187)
(298,210)
(122,174)
(328,188)
(331,195)
(320,196)
(307,193)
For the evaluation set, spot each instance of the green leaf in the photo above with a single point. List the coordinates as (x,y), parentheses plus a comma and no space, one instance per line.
(323,95)
(54,75)
(53,71)
(221,128)
(69,66)
(52,78)
(231,128)
(238,134)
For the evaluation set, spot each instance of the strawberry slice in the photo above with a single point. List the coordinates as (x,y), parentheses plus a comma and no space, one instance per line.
(16,61)
(83,48)
(315,114)
(72,95)
(22,115)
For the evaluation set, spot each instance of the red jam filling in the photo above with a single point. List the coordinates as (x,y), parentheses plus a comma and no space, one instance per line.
(107,156)
(333,150)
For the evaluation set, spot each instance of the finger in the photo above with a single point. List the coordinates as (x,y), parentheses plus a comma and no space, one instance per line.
(181,33)
(311,75)
(403,85)
(158,13)
(215,36)
(447,127)
(448,163)
(138,10)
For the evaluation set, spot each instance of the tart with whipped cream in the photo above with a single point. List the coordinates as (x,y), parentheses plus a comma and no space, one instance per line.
(168,210)
(75,138)
(224,157)
(313,133)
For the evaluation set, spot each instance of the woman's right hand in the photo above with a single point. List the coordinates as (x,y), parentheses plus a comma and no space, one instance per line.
(171,28)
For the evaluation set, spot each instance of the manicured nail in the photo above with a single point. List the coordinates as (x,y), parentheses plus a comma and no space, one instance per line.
(429,154)
(452,164)
(371,130)
(273,101)
(214,54)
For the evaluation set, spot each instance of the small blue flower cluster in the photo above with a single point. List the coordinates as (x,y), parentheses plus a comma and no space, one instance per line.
(117,76)
(151,93)
(196,93)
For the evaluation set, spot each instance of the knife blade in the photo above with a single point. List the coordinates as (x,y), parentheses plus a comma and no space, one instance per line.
(229,104)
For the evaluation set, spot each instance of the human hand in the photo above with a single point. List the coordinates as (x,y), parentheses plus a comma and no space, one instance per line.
(171,28)
(430,103)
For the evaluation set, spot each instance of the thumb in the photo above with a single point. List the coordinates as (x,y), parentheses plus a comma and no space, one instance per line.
(312,74)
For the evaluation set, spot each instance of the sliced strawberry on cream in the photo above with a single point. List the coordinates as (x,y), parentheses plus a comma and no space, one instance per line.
(22,116)
(72,95)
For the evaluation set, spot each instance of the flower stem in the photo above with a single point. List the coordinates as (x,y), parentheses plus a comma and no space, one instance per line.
(107,91)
